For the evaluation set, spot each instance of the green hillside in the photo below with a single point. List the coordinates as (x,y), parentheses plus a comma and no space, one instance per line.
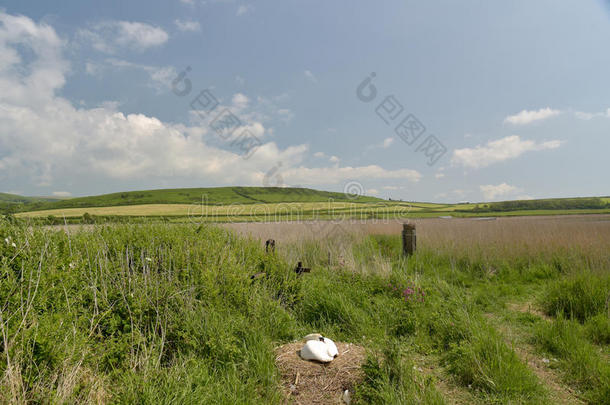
(19,199)
(213,196)
(15,203)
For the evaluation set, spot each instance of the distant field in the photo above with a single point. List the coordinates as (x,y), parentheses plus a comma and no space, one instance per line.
(289,211)
(228,204)
(233,210)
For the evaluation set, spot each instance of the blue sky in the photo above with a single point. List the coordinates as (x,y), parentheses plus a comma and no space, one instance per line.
(516,97)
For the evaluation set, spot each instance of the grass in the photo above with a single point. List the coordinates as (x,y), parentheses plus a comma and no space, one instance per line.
(580,360)
(580,297)
(161,313)
(484,362)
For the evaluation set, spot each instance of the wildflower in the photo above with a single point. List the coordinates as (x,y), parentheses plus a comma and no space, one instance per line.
(148,259)
(7,240)
(13,245)
(72,265)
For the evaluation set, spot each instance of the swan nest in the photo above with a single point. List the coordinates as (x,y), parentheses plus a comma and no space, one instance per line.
(311,382)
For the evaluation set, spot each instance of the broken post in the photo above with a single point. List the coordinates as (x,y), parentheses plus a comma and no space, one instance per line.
(409,240)
(270,246)
(300,269)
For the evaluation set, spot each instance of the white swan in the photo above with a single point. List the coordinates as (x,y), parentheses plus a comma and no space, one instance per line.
(319,348)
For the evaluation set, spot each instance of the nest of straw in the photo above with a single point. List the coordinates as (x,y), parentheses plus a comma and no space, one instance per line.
(310,382)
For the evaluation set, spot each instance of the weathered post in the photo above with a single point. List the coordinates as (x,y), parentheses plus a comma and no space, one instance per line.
(270,246)
(409,240)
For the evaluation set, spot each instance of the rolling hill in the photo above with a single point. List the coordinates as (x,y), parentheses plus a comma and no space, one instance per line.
(6,198)
(249,203)
(212,196)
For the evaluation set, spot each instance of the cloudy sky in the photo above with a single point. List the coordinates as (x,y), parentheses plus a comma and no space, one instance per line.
(421,100)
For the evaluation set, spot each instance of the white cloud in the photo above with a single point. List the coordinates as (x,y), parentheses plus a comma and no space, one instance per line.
(310,76)
(243,9)
(387,142)
(62,194)
(439,175)
(336,175)
(240,100)
(500,150)
(588,115)
(490,192)
(319,154)
(110,36)
(526,117)
(47,141)
(285,114)
(372,191)
(160,76)
(334,159)
(392,188)
(187,25)
(585,115)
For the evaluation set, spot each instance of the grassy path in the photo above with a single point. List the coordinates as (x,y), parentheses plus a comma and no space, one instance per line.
(518,338)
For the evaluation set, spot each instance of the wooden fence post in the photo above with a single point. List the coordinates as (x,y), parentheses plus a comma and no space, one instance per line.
(409,239)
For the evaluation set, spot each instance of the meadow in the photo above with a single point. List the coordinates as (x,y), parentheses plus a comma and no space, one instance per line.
(513,310)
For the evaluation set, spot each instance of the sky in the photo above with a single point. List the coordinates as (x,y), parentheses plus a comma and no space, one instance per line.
(442,101)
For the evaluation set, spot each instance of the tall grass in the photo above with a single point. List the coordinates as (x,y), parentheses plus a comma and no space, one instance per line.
(581,362)
(160,313)
(132,312)
(580,296)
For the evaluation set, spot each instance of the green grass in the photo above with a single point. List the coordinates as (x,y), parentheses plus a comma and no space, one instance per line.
(166,313)
(484,362)
(579,359)
(580,297)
